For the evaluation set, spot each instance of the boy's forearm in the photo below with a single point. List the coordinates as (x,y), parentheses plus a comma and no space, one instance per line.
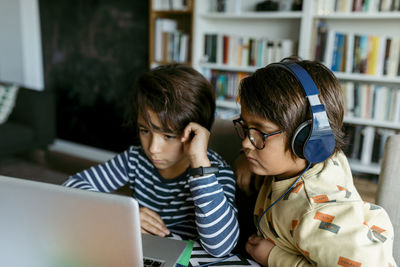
(105,177)
(215,217)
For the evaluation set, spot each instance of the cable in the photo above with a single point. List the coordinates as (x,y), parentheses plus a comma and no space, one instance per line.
(214,262)
(259,220)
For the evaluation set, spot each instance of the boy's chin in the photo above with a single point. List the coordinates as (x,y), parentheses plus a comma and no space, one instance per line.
(258,170)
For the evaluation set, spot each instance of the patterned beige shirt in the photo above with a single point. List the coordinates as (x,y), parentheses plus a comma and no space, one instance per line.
(323,221)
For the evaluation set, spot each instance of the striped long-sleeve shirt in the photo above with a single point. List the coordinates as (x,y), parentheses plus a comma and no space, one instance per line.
(201,207)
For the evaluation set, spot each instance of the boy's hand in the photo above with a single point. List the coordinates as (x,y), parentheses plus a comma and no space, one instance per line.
(259,248)
(151,223)
(195,138)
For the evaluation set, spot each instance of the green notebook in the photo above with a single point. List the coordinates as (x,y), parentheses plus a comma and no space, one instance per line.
(184,259)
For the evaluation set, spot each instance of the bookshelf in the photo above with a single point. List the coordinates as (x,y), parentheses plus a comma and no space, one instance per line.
(373,111)
(171,32)
(300,27)
(240,26)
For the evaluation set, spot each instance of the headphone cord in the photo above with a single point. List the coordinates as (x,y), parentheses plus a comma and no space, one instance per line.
(290,188)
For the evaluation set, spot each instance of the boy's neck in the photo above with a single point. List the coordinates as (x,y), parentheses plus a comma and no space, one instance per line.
(301,166)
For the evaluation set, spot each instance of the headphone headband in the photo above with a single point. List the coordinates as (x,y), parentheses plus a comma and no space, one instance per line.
(320,142)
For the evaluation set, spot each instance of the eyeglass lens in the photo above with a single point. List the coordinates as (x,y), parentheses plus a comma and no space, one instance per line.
(255,137)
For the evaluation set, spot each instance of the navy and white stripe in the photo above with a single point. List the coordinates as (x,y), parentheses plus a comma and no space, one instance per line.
(201,207)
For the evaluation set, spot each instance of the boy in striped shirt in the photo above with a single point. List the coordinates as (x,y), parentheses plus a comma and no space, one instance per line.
(181,186)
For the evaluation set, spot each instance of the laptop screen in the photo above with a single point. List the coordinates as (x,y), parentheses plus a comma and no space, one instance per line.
(45,225)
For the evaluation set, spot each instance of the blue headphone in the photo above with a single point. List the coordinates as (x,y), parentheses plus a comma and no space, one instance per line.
(313,140)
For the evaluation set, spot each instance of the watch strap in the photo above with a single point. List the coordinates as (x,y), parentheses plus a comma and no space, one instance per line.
(200,171)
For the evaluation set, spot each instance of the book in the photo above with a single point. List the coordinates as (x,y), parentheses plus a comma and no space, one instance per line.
(219,54)
(396,107)
(356,54)
(225,58)
(320,42)
(386,56)
(245,51)
(367,144)
(184,48)
(329,48)
(349,53)
(277,51)
(381,55)
(210,47)
(394,57)
(349,98)
(161,26)
(372,54)
(380,102)
(287,48)
(336,57)
(356,145)
(363,53)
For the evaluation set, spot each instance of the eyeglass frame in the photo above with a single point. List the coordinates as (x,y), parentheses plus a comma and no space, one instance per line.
(246,133)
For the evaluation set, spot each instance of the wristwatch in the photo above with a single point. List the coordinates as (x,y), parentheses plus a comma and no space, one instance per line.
(201,171)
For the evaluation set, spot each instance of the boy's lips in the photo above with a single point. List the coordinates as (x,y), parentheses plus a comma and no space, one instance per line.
(157,161)
(251,159)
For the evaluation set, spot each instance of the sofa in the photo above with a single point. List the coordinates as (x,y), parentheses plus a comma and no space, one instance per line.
(224,140)
(31,124)
(389,188)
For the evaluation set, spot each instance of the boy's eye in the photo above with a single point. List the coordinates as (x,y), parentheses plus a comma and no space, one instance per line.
(143,131)
(169,137)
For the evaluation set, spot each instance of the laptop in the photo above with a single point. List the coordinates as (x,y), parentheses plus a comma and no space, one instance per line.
(46,225)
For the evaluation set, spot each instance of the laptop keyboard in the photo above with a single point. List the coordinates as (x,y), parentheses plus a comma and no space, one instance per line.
(147,262)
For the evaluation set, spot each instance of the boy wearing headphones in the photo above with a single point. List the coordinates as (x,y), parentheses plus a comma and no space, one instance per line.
(308,212)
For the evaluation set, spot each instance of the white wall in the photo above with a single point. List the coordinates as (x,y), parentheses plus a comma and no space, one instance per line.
(21,59)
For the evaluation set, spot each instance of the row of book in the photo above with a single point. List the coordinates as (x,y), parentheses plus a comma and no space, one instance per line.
(163,5)
(366,143)
(372,101)
(357,53)
(244,51)
(225,83)
(345,6)
(170,44)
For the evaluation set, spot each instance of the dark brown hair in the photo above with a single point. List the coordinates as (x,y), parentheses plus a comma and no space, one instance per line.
(275,94)
(178,94)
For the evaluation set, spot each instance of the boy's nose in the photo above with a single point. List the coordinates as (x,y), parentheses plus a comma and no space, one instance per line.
(247,144)
(155,145)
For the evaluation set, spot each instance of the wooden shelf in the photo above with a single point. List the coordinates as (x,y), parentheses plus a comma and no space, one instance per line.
(184,19)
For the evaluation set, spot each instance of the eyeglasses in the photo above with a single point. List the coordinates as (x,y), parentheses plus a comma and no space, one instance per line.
(256,137)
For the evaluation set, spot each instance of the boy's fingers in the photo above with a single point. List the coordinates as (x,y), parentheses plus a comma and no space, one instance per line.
(186,133)
(152,229)
(153,215)
(152,222)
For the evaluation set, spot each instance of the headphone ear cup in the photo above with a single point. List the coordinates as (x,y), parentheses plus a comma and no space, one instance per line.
(300,138)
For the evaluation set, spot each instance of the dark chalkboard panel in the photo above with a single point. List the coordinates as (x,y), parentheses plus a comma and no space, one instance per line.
(93,52)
